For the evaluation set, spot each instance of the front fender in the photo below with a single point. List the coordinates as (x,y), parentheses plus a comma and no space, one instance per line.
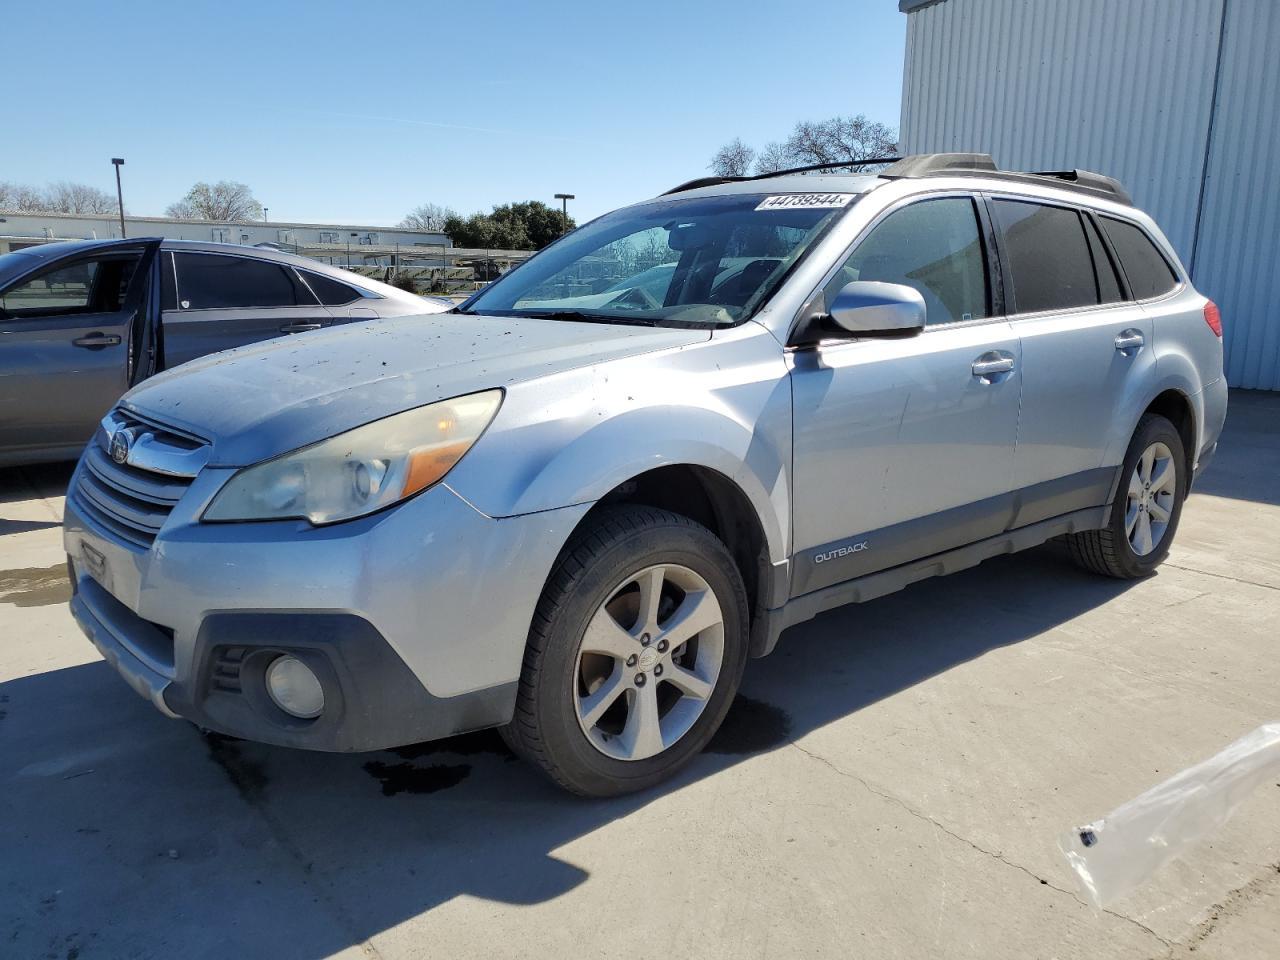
(571,438)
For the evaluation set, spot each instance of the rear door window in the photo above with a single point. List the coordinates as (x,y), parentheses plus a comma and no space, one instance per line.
(1048,256)
(208,281)
(934,246)
(332,293)
(1145,267)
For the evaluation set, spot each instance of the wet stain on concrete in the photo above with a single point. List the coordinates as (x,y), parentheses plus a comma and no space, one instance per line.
(751,726)
(247,776)
(35,586)
(411,778)
(464,745)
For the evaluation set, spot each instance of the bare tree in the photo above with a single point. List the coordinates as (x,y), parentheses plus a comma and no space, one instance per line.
(772,158)
(67,197)
(838,140)
(224,201)
(62,197)
(427,216)
(733,159)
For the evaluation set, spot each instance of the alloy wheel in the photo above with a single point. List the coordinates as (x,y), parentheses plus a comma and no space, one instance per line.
(648,662)
(1153,485)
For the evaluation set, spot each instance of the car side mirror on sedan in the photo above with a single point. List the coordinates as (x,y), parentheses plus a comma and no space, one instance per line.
(867,308)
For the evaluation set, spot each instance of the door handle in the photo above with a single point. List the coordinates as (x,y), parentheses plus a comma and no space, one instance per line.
(97,340)
(989,365)
(300,326)
(1130,340)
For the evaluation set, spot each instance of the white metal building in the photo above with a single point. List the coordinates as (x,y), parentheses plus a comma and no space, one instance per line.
(1179,99)
(366,243)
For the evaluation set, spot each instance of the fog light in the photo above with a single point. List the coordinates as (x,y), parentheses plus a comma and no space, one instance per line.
(295,688)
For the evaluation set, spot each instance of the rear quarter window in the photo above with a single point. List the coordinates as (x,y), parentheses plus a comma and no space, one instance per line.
(332,293)
(1148,272)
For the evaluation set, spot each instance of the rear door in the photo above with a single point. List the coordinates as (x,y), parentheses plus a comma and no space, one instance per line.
(1083,347)
(216,301)
(66,332)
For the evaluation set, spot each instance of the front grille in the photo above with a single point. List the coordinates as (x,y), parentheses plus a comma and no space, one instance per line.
(133,499)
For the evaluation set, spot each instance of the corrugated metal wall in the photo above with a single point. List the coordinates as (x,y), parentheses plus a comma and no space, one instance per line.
(1237,252)
(1126,89)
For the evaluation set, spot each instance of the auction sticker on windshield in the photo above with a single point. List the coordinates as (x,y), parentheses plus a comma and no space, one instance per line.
(807,201)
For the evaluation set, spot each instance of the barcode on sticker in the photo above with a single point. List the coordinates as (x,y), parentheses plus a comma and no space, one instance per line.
(806,201)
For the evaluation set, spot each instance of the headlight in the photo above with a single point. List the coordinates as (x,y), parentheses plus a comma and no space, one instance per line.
(362,470)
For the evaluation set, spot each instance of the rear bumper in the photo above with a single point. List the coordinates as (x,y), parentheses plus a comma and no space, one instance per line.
(1213,412)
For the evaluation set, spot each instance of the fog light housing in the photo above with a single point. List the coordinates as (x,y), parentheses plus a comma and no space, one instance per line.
(294,687)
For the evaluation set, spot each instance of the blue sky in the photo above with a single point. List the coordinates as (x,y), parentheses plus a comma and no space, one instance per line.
(353,112)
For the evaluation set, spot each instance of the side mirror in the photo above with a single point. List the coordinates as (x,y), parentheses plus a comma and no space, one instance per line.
(867,308)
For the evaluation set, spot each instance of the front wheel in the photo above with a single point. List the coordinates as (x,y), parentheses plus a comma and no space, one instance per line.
(635,653)
(1147,506)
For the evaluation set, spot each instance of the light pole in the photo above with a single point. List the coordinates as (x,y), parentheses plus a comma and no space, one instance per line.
(264,215)
(564,199)
(118,162)
(349,250)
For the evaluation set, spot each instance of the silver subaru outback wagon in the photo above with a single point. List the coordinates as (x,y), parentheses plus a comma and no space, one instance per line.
(574,506)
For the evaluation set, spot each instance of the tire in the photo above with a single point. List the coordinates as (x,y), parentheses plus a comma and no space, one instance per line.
(1117,550)
(581,715)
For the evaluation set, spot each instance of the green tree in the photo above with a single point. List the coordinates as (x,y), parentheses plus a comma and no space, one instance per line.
(512,226)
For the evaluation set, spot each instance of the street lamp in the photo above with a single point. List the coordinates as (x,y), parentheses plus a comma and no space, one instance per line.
(264,215)
(118,162)
(349,249)
(564,199)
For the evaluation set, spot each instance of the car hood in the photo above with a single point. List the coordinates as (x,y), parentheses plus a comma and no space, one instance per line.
(259,401)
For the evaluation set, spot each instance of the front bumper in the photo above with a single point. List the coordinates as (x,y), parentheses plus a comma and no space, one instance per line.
(415,619)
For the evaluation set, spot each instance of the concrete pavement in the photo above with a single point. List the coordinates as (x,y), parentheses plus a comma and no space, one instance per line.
(891,783)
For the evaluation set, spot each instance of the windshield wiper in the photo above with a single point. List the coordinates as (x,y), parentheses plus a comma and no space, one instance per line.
(584,317)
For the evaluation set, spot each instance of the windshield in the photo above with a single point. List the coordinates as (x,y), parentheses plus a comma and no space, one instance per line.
(710,261)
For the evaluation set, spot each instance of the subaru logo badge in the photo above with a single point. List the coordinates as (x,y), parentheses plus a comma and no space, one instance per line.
(121,442)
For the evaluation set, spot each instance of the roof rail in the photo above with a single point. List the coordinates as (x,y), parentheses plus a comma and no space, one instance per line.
(834,165)
(948,164)
(981,164)
(1109,187)
(925,164)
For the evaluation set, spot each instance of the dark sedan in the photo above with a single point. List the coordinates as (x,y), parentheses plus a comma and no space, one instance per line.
(83,321)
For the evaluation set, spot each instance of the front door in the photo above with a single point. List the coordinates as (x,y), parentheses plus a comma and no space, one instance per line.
(66,332)
(904,447)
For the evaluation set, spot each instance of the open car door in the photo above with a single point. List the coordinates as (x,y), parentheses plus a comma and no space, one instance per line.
(74,336)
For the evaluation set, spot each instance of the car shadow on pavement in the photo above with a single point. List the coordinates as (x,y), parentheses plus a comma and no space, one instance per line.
(138,835)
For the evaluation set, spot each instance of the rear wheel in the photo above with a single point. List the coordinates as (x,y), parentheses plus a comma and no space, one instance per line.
(635,653)
(1144,516)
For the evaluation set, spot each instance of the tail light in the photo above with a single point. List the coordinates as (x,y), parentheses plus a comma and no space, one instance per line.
(1213,317)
